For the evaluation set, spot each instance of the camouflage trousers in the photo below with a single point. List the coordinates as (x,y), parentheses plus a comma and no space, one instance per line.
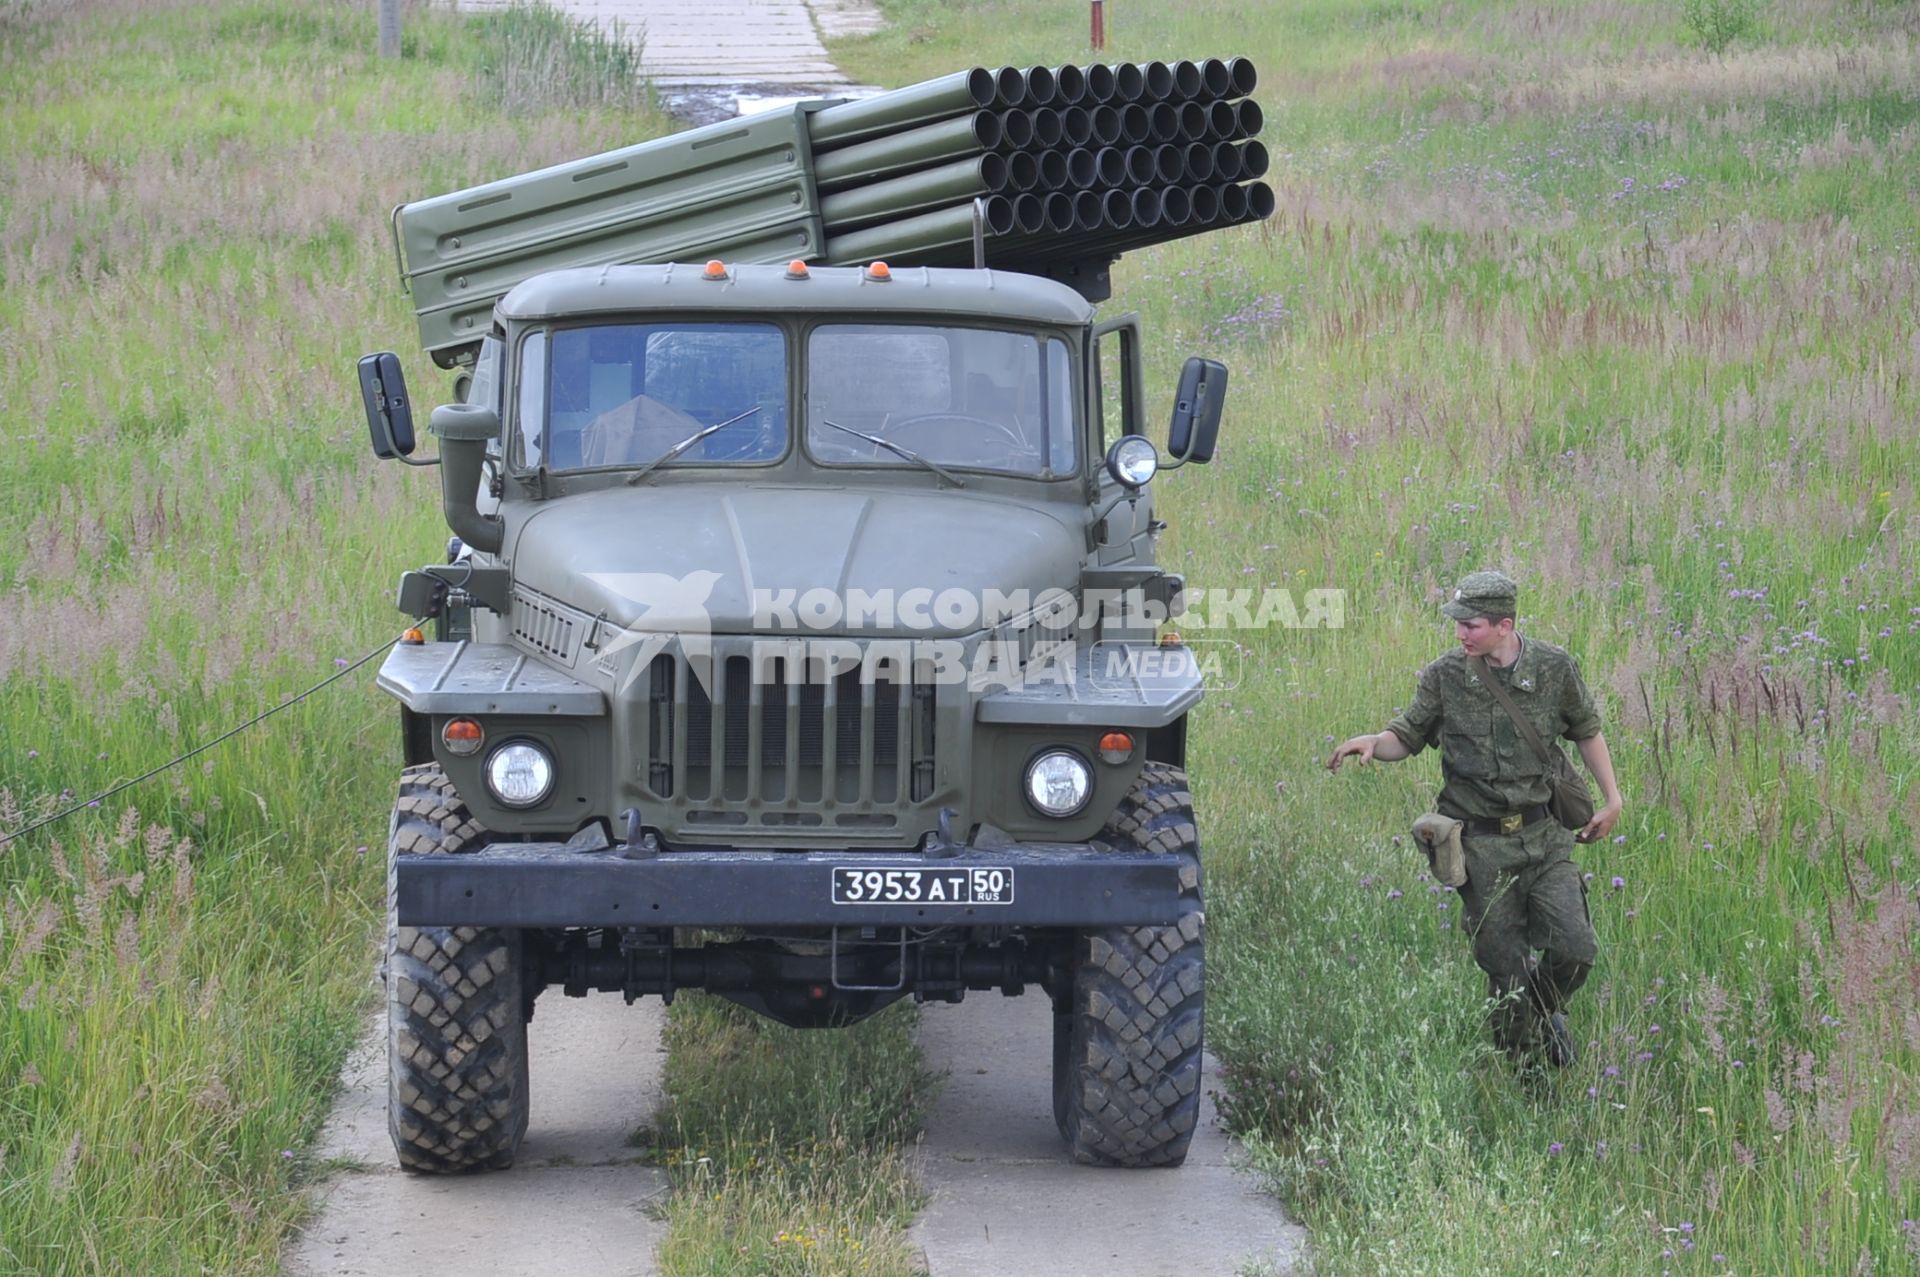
(1525,894)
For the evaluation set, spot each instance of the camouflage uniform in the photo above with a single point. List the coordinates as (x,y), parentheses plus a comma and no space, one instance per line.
(1523,890)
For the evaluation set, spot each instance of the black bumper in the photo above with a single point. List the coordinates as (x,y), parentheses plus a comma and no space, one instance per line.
(550,885)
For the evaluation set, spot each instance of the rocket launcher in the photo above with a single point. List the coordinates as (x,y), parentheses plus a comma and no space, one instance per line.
(1050,171)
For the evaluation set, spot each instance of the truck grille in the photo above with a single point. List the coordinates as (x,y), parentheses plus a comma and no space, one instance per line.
(789,747)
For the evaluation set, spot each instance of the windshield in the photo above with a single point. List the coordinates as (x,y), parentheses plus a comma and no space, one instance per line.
(628,394)
(969,398)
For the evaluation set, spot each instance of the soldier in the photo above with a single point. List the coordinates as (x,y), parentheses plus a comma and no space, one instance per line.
(1523,891)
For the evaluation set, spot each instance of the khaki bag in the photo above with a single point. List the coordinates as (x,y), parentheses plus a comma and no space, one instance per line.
(1570,801)
(1440,836)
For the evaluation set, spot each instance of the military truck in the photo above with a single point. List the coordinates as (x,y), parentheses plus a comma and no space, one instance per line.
(798,642)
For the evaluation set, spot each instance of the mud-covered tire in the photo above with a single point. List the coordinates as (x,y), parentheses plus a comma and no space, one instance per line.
(456,1020)
(1126,1076)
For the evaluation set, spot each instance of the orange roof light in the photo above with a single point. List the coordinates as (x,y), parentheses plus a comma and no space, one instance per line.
(879,271)
(796,269)
(412,635)
(716,269)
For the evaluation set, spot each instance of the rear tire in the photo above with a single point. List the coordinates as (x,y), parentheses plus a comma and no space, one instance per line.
(456,1017)
(1126,1076)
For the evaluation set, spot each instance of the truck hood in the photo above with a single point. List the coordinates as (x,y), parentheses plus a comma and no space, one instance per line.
(737,560)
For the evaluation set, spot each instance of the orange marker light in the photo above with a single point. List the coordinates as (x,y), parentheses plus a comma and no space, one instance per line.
(879,271)
(796,269)
(462,736)
(411,635)
(716,269)
(1116,747)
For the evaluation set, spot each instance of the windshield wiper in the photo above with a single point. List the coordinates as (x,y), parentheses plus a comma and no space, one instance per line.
(897,450)
(686,443)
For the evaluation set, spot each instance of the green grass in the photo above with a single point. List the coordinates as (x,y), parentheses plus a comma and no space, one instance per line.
(1554,289)
(1490,323)
(192,254)
(787,1147)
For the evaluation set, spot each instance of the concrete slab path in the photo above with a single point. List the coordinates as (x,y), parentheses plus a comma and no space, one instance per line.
(704,58)
(575,1201)
(1005,1198)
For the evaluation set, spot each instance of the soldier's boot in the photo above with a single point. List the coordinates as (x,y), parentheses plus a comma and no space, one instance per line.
(1512,1016)
(1548,991)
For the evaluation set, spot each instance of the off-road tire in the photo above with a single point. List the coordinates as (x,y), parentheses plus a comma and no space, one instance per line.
(1126,1060)
(456,1019)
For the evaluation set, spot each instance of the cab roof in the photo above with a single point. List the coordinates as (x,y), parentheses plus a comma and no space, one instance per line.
(842,290)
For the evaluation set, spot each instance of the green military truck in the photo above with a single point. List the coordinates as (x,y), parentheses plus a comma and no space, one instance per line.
(797,643)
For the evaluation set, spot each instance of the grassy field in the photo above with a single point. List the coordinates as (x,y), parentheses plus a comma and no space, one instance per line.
(193,206)
(1552,286)
(1559,288)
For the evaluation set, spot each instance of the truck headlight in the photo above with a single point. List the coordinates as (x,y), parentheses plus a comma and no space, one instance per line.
(520,774)
(1059,783)
(1133,460)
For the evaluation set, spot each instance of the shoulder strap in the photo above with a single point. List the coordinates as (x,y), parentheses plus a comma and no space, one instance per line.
(1527,729)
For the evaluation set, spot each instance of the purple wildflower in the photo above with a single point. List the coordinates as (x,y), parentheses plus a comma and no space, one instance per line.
(1394,894)
(1556,1148)
(1618,882)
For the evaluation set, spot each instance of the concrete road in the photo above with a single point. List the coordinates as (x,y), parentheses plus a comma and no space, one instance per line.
(1006,1199)
(713,60)
(573,1203)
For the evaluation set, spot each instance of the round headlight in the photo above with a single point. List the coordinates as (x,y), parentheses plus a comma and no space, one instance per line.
(520,774)
(1059,783)
(1133,460)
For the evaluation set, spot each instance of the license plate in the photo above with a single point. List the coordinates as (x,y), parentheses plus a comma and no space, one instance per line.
(859,886)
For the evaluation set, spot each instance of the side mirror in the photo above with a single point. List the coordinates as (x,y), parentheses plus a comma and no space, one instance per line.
(1196,411)
(383,389)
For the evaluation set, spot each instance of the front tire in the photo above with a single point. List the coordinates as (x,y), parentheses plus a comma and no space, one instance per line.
(1127,1045)
(456,1016)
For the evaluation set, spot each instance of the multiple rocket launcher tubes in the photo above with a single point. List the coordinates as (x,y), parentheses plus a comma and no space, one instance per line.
(1063,168)
(1065,164)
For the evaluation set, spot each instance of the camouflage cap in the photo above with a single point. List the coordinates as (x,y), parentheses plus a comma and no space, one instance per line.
(1482,594)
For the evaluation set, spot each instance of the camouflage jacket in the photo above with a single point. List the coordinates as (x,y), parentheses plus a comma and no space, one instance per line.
(1486,764)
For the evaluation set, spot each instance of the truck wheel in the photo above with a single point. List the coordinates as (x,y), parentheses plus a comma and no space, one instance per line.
(1126,1060)
(456,1023)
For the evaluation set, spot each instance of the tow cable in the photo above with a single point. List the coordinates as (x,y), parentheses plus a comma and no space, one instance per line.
(261,717)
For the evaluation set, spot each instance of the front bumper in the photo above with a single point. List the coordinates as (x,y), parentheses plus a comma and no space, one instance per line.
(554,885)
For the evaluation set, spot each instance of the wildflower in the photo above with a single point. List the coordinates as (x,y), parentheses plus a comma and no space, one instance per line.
(1618,882)
(286,1155)
(1593,1092)
(33,753)
(1600,1149)
(1556,1148)
(1644,1056)
(1718,1258)
(1612,1070)
(1686,1227)
(1394,894)
(1654,1029)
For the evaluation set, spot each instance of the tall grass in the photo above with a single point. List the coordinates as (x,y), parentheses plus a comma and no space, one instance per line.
(192,255)
(1552,289)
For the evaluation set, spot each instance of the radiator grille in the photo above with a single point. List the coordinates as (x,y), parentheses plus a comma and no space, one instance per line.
(779,738)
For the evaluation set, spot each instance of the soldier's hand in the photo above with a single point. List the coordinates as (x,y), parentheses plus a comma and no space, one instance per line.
(1601,825)
(1359,747)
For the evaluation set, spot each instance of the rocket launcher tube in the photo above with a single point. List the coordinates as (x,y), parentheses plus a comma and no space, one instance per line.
(900,197)
(917,104)
(898,153)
